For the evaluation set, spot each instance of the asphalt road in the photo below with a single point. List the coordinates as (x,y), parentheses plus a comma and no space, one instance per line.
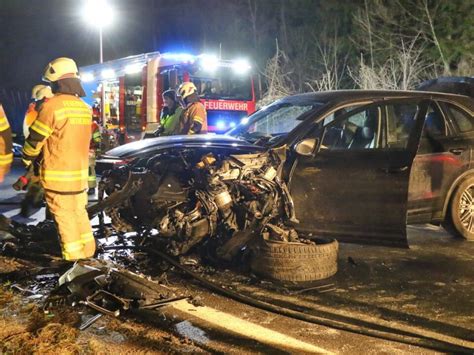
(427,289)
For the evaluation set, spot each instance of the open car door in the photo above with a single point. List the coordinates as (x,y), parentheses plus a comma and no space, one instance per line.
(354,185)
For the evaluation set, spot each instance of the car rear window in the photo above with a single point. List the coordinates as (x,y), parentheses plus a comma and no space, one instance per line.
(463,119)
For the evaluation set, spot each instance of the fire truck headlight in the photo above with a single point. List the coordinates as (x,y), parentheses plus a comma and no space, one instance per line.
(241,66)
(209,63)
(232,124)
(108,74)
(87,77)
(244,120)
(220,125)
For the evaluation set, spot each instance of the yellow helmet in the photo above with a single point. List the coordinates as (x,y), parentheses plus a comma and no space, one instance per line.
(60,68)
(186,89)
(40,92)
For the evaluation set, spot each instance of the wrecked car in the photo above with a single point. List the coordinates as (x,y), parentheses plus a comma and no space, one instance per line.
(352,165)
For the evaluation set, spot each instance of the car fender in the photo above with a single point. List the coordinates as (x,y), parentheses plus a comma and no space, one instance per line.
(453,188)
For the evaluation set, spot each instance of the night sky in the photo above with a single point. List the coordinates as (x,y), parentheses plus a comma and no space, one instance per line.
(36,31)
(33,32)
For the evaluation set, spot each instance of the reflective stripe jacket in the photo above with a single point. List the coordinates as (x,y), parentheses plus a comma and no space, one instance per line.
(170,122)
(6,155)
(194,115)
(63,131)
(96,139)
(30,117)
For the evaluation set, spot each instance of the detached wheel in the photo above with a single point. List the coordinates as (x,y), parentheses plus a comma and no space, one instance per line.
(295,262)
(460,216)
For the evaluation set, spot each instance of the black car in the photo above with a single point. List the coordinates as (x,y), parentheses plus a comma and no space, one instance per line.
(359,165)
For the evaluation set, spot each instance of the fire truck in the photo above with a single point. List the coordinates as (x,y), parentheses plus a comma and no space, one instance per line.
(127,92)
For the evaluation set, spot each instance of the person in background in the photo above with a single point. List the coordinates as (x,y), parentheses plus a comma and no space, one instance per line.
(39,94)
(94,152)
(194,117)
(170,114)
(31,180)
(6,145)
(62,132)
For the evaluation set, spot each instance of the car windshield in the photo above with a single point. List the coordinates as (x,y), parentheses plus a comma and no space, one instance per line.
(274,121)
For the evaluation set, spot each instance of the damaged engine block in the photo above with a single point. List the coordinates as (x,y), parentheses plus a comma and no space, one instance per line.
(189,197)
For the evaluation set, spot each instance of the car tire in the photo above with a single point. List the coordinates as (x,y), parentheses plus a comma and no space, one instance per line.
(460,217)
(295,262)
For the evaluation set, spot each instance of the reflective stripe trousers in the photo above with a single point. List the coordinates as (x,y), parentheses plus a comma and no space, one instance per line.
(69,213)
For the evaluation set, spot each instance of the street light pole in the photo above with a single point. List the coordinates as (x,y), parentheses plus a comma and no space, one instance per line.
(100,45)
(99,13)
(102,96)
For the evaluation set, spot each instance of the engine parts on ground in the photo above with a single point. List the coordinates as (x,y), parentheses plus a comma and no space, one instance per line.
(111,291)
(294,261)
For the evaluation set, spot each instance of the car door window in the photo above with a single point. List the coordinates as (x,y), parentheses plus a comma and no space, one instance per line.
(463,120)
(434,130)
(400,122)
(359,130)
(435,125)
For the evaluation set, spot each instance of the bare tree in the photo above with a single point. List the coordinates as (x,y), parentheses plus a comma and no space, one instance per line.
(397,38)
(278,80)
(425,15)
(403,70)
(253,11)
(434,37)
(334,66)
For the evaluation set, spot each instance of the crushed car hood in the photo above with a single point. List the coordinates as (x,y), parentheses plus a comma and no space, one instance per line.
(195,141)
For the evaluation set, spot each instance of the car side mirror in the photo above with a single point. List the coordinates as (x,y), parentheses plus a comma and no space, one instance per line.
(306,147)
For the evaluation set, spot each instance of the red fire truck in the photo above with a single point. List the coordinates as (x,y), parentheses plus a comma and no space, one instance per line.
(131,90)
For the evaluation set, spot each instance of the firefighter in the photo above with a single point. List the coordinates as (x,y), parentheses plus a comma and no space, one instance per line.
(170,115)
(63,132)
(194,117)
(39,94)
(94,152)
(31,180)
(6,145)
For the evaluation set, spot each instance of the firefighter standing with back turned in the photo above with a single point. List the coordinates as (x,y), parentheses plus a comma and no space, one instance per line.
(63,132)
(194,117)
(6,144)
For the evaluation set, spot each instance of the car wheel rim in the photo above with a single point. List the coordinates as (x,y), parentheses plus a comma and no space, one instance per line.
(466,208)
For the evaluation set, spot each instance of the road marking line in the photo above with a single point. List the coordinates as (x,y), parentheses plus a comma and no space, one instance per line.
(248,329)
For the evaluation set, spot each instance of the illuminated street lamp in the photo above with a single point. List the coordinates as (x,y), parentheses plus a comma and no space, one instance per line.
(100,14)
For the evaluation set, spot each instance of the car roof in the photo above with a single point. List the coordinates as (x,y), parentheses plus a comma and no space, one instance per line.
(350,95)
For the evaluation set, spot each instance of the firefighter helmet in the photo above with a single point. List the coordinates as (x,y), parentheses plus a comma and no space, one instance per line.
(41,92)
(60,68)
(186,89)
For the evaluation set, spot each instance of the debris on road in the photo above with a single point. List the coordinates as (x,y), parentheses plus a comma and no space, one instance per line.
(109,290)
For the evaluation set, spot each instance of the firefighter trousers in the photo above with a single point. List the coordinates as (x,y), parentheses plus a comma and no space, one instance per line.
(69,213)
